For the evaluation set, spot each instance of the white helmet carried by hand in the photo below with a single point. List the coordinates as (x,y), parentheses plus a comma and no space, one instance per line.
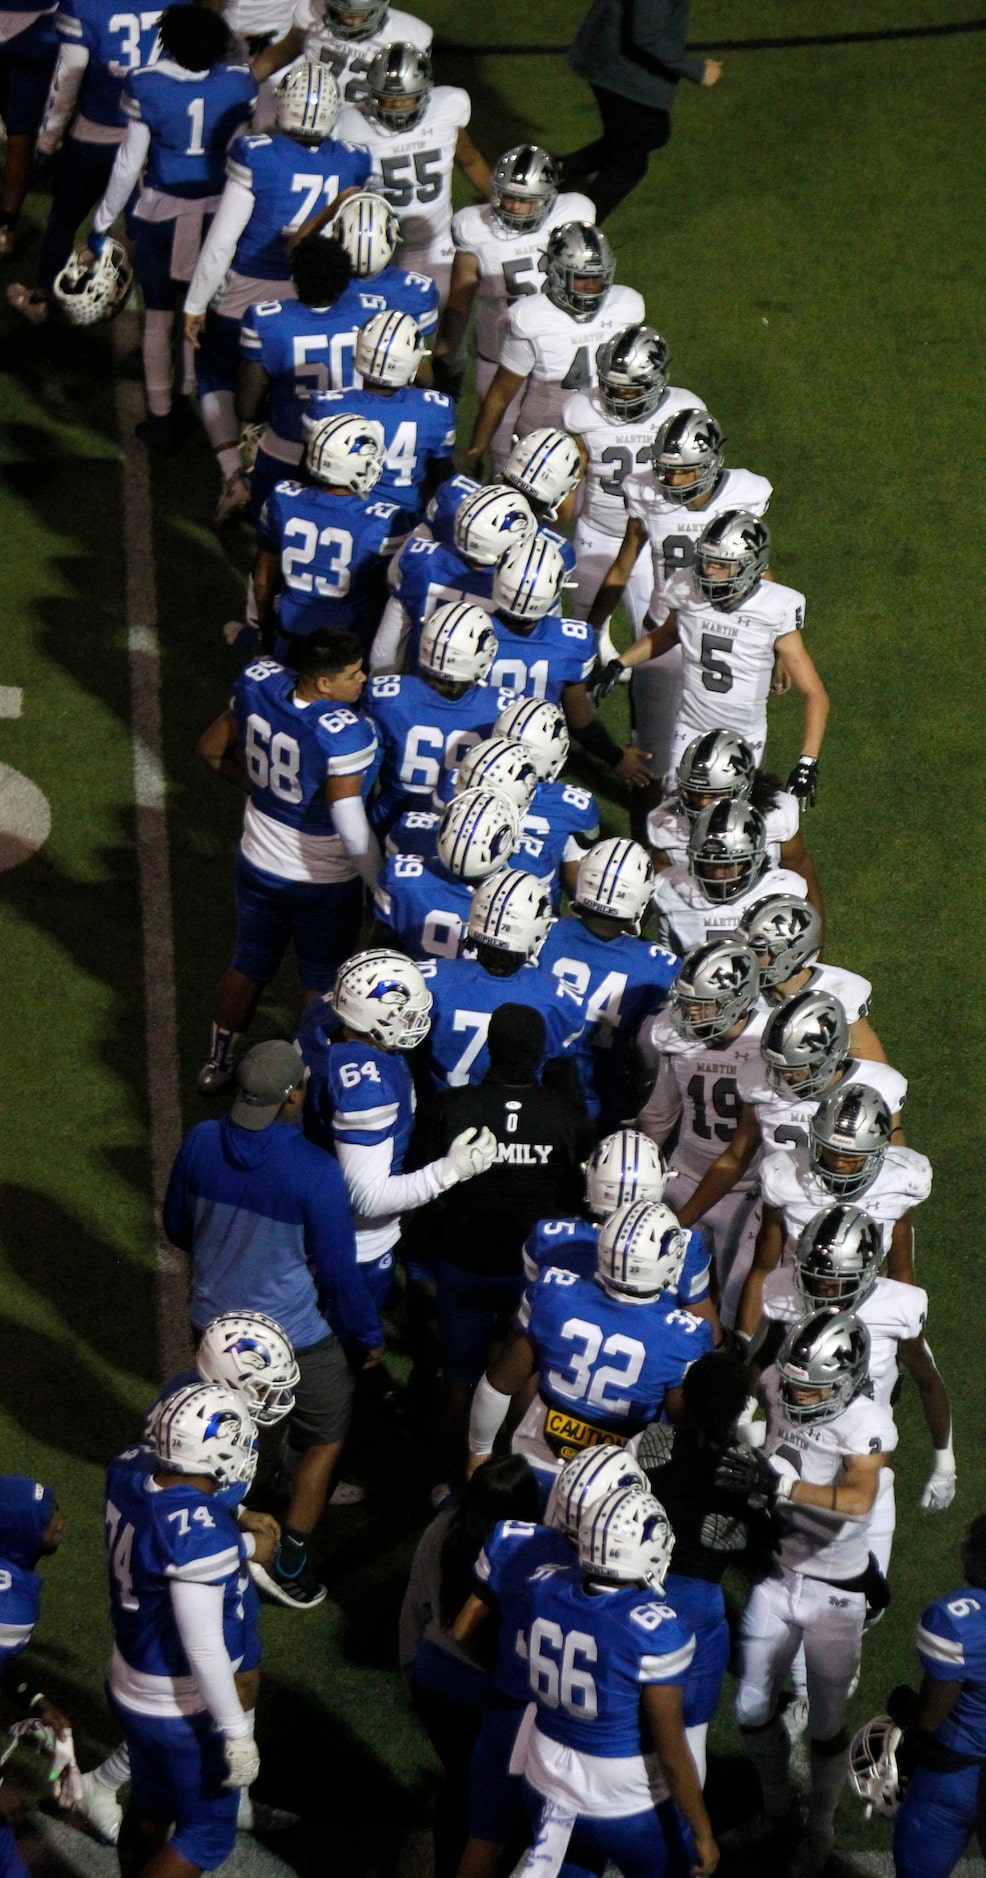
(486,524)
(627,1539)
(545,466)
(457,643)
(499,763)
(477,834)
(529,579)
(624,1167)
(249,1352)
(382,995)
(307,102)
(510,912)
(389,349)
(368,229)
(204,1429)
(874,1775)
(346,452)
(542,729)
(641,1252)
(616,880)
(584,1481)
(91,291)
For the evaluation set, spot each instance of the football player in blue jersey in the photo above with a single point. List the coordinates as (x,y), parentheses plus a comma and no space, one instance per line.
(426,721)
(323,545)
(573,1327)
(272,183)
(423,907)
(360,1102)
(428,572)
(563,820)
(31,1528)
(183,111)
(621,979)
(541,655)
(526,480)
(493,763)
(546,467)
(184,1673)
(608,1771)
(304,756)
(508,919)
(418,424)
(369,231)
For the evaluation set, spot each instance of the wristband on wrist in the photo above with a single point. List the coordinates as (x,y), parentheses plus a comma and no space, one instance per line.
(785,1486)
(596,740)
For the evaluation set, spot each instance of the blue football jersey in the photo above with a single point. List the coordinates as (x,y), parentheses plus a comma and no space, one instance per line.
(951,1643)
(609,1361)
(20,1608)
(395,291)
(571,1245)
(191,120)
(290,182)
(426,909)
(291,750)
(333,552)
(589,1657)
(426,575)
(447,501)
(365,1096)
(539,664)
(621,981)
(505,1568)
(424,736)
(117,43)
(464,999)
(560,825)
(418,426)
(318,1028)
(153,1536)
(302,349)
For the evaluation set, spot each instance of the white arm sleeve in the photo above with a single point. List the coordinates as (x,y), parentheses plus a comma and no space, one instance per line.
(198,1613)
(358,838)
(489,1411)
(375,1192)
(63,91)
(130,160)
(663,1105)
(228,223)
(387,651)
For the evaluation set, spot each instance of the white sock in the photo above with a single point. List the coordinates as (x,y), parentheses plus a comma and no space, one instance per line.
(157,362)
(799,1674)
(828,1777)
(115,1770)
(219,417)
(187,369)
(770,1751)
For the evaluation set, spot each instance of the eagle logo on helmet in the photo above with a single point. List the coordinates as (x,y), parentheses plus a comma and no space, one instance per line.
(389,988)
(218,1423)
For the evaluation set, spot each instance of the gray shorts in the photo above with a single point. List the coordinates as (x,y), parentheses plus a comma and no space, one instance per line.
(323,1399)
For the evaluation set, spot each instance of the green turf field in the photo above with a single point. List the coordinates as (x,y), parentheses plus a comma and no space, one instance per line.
(810,245)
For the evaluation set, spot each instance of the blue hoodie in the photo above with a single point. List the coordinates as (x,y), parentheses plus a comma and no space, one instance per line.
(25,1509)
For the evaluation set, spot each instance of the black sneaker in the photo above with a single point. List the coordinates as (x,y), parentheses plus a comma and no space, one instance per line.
(302,1590)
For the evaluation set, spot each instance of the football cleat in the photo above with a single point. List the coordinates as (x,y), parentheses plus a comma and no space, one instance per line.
(399,85)
(382,995)
(805,1044)
(641,1252)
(731,558)
(576,252)
(541,728)
(389,349)
(300,1591)
(526,178)
(346,452)
(215,1076)
(100,1809)
(686,456)
(307,102)
(626,1539)
(716,988)
(477,834)
(623,1167)
(633,373)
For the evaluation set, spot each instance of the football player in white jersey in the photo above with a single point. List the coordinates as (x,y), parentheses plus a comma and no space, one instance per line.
(497,248)
(827,1443)
(786,935)
(416,134)
(717,767)
(726,870)
(552,337)
(345,35)
(731,622)
(848,1156)
(669,497)
(695,1046)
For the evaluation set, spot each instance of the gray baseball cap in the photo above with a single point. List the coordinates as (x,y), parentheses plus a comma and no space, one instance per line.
(266,1077)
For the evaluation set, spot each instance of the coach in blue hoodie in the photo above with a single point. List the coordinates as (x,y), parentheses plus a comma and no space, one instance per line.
(265,1216)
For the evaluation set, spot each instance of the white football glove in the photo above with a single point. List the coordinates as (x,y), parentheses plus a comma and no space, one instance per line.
(751,1428)
(242,1761)
(787,1476)
(940,1489)
(471,1153)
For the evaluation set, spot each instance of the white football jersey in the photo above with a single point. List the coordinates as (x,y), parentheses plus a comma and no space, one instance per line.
(508,262)
(614,447)
(415,166)
(819,1544)
(686,919)
(784,1122)
(350,59)
(556,353)
(695,1086)
(893,1314)
(728,658)
(852,990)
(668,829)
(789,1183)
(672,529)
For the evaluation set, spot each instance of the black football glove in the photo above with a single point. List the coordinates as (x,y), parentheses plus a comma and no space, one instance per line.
(803,781)
(608,679)
(744,1472)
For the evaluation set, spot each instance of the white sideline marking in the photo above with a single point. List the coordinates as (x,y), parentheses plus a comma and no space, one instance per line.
(153,865)
(11,700)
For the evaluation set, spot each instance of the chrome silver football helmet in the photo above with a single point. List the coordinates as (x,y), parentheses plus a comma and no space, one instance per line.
(399,85)
(805,1044)
(825,1354)
(837,1258)
(354,19)
(854,1121)
(716,988)
(633,373)
(785,934)
(526,174)
(731,557)
(576,251)
(726,849)
(686,456)
(717,766)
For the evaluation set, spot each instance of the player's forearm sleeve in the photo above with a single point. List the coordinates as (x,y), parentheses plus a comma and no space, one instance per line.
(65,85)
(228,223)
(198,1611)
(386,653)
(375,1191)
(124,176)
(489,1412)
(358,838)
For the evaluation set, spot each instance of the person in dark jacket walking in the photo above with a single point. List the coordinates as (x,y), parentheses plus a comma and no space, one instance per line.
(542,1136)
(632,53)
(265,1217)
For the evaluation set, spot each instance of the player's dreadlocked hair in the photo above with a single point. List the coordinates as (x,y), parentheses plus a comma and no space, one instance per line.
(500,1489)
(321,269)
